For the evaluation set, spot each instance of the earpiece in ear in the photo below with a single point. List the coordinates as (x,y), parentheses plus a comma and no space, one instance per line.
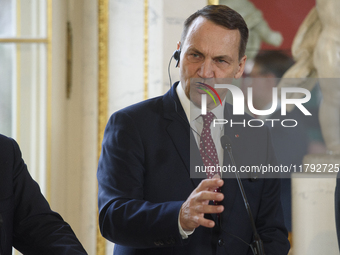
(176,56)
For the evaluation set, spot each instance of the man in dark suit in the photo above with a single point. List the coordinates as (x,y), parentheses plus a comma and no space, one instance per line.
(148,204)
(26,220)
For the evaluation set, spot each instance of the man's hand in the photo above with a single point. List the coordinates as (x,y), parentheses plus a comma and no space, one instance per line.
(193,209)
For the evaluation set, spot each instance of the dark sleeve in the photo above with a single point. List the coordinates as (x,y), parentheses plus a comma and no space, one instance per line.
(337,207)
(270,222)
(125,217)
(37,230)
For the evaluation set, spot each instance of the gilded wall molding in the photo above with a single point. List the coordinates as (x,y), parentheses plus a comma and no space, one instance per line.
(49,101)
(18,66)
(146,49)
(213,2)
(24,40)
(103,25)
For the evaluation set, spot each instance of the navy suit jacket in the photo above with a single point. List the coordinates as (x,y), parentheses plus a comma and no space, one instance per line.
(26,220)
(144,177)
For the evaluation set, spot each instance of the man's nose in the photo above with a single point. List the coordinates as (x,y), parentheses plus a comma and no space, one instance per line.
(207,69)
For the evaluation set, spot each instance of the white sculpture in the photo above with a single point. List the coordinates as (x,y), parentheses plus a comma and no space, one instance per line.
(316,49)
(258,28)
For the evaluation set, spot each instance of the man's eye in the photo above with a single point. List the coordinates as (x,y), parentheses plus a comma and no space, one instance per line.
(194,57)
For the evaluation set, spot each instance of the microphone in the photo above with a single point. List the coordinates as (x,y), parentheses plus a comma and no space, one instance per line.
(256,245)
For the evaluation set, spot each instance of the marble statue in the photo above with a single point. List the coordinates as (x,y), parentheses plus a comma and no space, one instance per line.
(258,28)
(316,50)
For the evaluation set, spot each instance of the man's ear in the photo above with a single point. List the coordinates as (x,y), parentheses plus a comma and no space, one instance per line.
(241,65)
(177,54)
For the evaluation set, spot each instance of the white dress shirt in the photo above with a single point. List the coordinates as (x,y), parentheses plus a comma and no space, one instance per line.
(193,114)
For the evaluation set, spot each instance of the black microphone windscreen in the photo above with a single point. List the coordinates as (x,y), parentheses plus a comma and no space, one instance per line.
(225,142)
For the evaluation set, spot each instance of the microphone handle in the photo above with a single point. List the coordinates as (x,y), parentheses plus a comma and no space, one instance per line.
(257,245)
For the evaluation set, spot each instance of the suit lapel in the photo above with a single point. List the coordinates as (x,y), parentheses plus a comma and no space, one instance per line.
(180,137)
(179,131)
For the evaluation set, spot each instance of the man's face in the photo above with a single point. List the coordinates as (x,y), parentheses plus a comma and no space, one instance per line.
(209,51)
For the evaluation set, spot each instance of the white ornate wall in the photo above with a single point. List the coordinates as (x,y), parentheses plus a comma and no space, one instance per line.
(74,120)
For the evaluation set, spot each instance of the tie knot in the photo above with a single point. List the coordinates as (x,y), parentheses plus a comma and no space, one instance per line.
(208,118)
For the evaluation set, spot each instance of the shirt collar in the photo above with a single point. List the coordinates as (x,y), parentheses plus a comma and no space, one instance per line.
(185,102)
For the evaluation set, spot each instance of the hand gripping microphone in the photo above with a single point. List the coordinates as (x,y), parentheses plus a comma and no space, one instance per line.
(256,245)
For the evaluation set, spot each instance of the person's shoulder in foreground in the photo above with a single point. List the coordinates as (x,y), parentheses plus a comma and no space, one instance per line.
(26,220)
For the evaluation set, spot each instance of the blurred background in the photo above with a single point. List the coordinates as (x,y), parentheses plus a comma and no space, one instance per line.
(67,65)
